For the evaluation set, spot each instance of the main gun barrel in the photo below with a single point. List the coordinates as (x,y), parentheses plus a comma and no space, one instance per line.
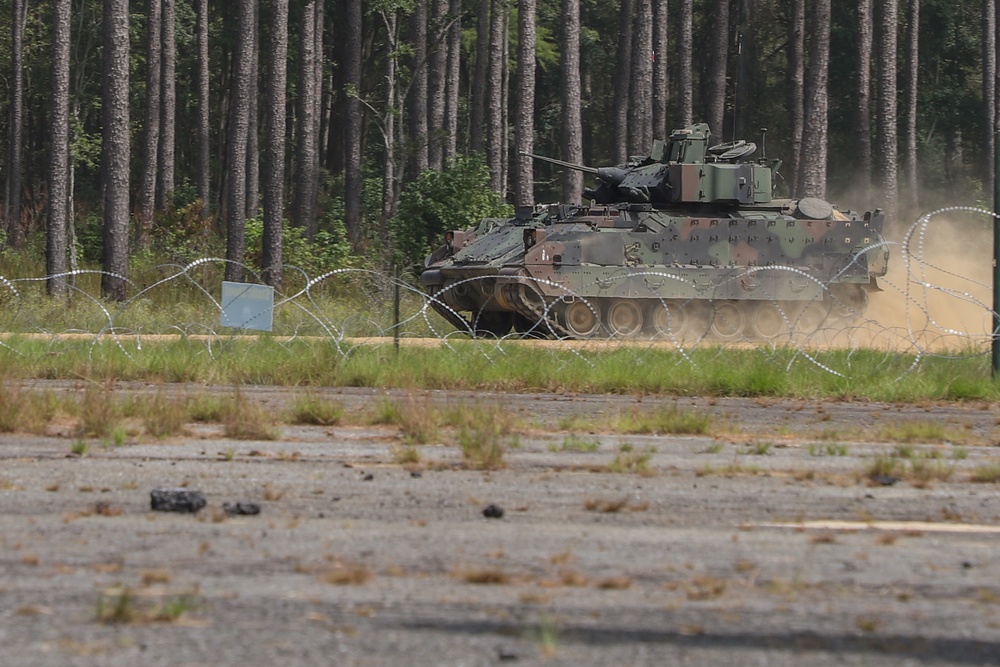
(561,163)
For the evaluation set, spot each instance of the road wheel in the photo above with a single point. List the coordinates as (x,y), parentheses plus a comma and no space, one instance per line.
(810,318)
(581,319)
(669,319)
(767,321)
(624,318)
(728,320)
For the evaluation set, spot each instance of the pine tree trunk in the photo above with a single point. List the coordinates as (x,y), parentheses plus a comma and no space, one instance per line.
(454,78)
(572,126)
(253,123)
(718,60)
(494,96)
(274,144)
(910,119)
(352,167)
(115,149)
(56,244)
(863,101)
(417,99)
(686,48)
(989,89)
(887,149)
(308,127)
(391,19)
(168,111)
(661,96)
(204,146)
(437,81)
(524,122)
(12,213)
(477,105)
(151,132)
(623,77)
(796,93)
(239,121)
(814,131)
(640,103)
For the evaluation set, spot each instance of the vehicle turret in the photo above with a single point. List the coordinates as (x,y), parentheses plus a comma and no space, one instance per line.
(685,169)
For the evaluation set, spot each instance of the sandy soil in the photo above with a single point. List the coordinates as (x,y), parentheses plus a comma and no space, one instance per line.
(763,544)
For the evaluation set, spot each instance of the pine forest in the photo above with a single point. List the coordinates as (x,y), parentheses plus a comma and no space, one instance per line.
(326,133)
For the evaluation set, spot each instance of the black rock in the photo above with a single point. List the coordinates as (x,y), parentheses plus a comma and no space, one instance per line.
(243,509)
(507,653)
(367,478)
(416,474)
(493,512)
(885,480)
(176,500)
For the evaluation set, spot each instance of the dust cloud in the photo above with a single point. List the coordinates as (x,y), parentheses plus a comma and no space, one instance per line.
(937,294)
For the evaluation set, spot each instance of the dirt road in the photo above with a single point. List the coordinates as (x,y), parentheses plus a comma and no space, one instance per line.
(765,543)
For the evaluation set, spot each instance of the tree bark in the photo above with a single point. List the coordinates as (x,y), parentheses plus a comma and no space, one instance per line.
(417,100)
(796,92)
(623,78)
(572,126)
(204,147)
(115,149)
(389,171)
(437,81)
(718,59)
(989,88)
(308,139)
(151,132)
(863,101)
(494,96)
(640,103)
(887,149)
(686,77)
(15,161)
(477,106)
(910,115)
(661,96)
(168,112)
(239,120)
(524,122)
(274,145)
(454,78)
(253,124)
(814,131)
(55,250)
(352,168)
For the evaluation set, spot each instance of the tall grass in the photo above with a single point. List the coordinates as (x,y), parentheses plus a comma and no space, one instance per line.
(479,366)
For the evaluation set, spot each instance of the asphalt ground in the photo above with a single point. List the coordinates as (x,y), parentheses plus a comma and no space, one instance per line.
(765,543)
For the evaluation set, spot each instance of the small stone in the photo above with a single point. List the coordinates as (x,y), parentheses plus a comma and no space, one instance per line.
(176,500)
(367,478)
(885,480)
(242,509)
(507,653)
(416,474)
(493,512)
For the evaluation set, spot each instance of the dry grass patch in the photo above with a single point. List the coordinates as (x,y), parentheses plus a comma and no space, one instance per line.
(704,587)
(614,583)
(627,460)
(246,420)
(669,421)
(483,576)
(986,473)
(348,574)
(315,411)
(164,416)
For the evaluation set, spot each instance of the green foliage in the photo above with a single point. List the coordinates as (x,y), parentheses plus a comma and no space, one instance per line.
(455,198)
(330,249)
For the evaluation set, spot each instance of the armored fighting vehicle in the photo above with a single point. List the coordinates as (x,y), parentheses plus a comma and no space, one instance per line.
(683,243)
